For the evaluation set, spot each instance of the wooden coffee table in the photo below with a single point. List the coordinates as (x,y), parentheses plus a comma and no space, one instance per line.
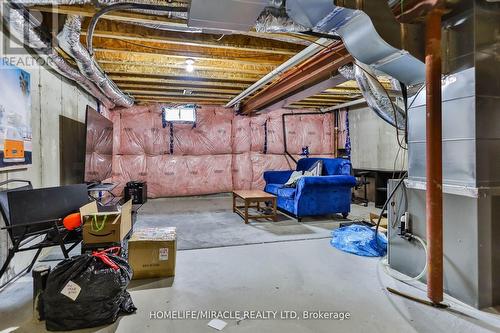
(252,199)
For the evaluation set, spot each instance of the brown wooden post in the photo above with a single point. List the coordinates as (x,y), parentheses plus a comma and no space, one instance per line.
(434,193)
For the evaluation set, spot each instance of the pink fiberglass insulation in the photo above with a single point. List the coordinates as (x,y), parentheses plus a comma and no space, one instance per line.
(222,152)
(128,168)
(242,171)
(136,131)
(264,162)
(188,175)
(242,134)
(211,135)
(257,124)
(116,119)
(275,132)
(305,130)
(342,129)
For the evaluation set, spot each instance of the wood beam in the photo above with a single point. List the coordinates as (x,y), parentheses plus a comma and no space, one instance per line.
(317,69)
(123,31)
(178,94)
(121,16)
(184,98)
(180,88)
(186,51)
(126,16)
(269,62)
(175,72)
(148,79)
(113,57)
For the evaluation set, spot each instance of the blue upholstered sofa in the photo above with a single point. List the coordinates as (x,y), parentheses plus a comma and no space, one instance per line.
(323,195)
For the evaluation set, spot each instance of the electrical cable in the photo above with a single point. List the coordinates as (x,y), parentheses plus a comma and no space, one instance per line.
(385,264)
(385,206)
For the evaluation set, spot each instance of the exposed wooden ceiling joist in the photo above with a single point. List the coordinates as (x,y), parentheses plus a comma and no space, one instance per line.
(122,31)
(178,94)
(148,79)
(147,70)
(150,63)
(186,51)
(113,57)
(181,88)
(122,16)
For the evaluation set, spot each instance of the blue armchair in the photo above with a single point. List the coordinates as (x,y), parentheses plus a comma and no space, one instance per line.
(323,195)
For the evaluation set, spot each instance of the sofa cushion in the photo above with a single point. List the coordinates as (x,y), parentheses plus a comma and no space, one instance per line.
(273,188)
(294,177)
(316,169)
(287,192)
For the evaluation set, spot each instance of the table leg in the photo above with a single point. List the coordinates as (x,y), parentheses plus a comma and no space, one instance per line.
(275,218)
(246,211)
(234,203)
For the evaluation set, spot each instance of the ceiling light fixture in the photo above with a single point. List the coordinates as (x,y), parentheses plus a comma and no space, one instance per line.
(189,65)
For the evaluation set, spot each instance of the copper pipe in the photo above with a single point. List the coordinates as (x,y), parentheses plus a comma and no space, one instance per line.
(434,193)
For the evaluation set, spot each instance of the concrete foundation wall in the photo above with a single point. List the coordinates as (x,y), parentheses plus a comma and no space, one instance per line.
(51,96)
(373,142)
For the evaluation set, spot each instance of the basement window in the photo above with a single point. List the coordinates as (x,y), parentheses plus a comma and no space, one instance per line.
(180,114)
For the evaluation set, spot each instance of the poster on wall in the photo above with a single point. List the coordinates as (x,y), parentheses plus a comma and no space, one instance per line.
(15,117)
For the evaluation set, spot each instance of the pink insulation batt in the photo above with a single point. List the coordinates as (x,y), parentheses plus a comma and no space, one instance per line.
(223,152)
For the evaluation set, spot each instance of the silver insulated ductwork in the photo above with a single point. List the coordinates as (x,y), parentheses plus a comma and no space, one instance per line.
(22,26)
(69,41)
(378,99)
(359,36)
(276,20)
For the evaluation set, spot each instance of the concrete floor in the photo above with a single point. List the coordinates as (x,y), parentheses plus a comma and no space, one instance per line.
(293,275)
(209,221)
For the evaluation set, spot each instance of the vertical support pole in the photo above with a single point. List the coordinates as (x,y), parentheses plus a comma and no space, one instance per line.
(434,193)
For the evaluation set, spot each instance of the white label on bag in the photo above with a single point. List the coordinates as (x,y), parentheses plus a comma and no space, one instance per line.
(71,290)
(163,253)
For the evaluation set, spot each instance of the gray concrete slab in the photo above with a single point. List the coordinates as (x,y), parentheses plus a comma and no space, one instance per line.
(208,221)
(297,276)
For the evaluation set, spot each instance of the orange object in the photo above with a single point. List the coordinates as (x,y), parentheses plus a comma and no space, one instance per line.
(72,221)
(13,149)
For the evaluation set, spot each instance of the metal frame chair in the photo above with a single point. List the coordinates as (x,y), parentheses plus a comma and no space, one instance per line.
(22,235)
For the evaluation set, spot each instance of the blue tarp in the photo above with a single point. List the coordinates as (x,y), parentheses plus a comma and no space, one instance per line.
(359,240)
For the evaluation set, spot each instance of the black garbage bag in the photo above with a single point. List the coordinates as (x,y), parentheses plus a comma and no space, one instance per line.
(88,290)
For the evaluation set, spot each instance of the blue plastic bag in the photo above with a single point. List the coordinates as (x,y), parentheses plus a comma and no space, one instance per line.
(359,240)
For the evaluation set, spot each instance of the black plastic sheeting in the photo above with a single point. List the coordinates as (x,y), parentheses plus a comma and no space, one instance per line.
(101,299)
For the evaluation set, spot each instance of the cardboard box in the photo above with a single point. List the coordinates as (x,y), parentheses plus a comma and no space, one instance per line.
(105,227)
(151,252)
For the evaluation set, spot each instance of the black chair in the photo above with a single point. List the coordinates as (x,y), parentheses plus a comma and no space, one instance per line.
(30,214)
(361,181)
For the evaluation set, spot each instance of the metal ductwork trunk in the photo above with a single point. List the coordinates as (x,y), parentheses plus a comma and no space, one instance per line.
(69,41)
(361,36)
(23,26)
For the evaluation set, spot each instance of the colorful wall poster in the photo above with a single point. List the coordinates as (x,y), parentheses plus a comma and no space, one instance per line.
(15,116)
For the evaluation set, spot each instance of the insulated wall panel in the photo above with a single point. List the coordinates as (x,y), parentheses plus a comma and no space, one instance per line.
(188,175)
(128,168)
(242,171)
(265,162)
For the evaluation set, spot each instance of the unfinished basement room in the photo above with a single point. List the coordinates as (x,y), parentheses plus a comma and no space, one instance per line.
(250,166)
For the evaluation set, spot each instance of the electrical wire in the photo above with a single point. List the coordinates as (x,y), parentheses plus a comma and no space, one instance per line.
(385,206)
(387,269)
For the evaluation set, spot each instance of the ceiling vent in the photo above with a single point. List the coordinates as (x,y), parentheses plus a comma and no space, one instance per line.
(239,15)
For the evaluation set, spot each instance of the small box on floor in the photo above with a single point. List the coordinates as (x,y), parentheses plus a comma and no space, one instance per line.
(105,227)
(152,252)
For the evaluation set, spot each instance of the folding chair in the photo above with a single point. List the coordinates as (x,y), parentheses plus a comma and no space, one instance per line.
(32,214)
